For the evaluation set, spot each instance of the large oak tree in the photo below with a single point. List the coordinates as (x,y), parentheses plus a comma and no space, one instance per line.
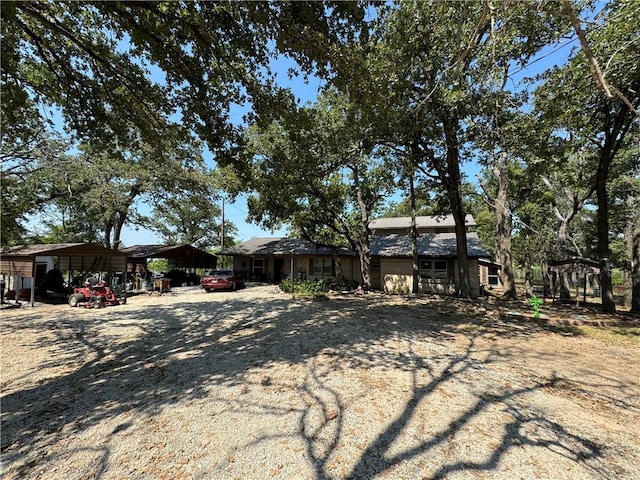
(601,123)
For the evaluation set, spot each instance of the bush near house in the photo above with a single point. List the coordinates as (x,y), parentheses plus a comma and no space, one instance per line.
(304,288)
(317,288)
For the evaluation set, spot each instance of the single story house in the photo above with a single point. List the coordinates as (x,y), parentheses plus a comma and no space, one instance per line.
(272,259)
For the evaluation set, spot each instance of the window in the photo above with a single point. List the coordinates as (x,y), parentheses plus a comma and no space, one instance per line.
(426,272)
(323,266)
(328,266)
(440,270)
(434,270)
(301,274)
(258,266)
(493,275)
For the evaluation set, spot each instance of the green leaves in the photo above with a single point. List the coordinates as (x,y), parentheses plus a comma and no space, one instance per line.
(312,170)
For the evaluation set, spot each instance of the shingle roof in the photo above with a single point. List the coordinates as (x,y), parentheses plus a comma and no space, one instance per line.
(282,246)
(392,245)
(421,222)
(429,245)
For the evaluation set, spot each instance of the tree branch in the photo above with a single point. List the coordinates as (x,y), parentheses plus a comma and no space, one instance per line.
(593,62)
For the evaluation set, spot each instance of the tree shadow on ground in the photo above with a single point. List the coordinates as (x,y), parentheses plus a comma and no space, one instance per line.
(181,348)
(323,439)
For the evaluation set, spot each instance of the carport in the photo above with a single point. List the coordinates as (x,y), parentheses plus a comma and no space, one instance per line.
(177,256)
(20,261)
(584,266)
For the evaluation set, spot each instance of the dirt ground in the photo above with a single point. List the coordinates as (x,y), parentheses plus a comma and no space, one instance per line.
(255,385)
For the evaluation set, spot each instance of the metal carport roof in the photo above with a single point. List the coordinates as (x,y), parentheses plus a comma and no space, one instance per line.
(82,257)
(178,256)
(576,264)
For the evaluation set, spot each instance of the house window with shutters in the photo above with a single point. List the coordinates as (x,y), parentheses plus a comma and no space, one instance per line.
(323,266)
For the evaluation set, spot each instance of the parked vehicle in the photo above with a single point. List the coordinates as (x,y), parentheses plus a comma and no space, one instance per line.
(222,280)
(93,295)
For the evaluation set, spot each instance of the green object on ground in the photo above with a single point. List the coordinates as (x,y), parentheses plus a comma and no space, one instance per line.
(535,302)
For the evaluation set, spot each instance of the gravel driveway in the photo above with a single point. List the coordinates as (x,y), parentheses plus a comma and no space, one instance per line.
(254,385)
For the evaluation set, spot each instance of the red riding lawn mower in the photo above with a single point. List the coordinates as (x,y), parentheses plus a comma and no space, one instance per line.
(96,295)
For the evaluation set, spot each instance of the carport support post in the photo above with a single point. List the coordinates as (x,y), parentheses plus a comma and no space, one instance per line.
(33,290)
(124,285)
(293,290)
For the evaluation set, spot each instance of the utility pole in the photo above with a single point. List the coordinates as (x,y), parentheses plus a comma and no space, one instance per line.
(222,227)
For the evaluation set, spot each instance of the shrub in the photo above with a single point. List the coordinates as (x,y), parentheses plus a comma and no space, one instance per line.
(304,288)
(398,287)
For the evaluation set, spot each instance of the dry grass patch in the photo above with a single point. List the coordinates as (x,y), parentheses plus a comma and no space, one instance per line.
(622,336)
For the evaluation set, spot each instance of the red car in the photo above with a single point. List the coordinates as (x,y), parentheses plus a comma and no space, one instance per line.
(222,280)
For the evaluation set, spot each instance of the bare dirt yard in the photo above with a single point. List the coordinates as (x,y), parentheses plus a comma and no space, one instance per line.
(256,385)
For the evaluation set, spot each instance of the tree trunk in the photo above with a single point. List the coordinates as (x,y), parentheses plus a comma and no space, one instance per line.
(451,181)
(563,237)
(117,231)
(364,254)
(528,281)
(464,282)
(576,202)
(617,126)
(565,287)
(635,273)
(415,285)
(602,216)
(337,261)
(108,228)
(546,280)
(504,227)
(363,240)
